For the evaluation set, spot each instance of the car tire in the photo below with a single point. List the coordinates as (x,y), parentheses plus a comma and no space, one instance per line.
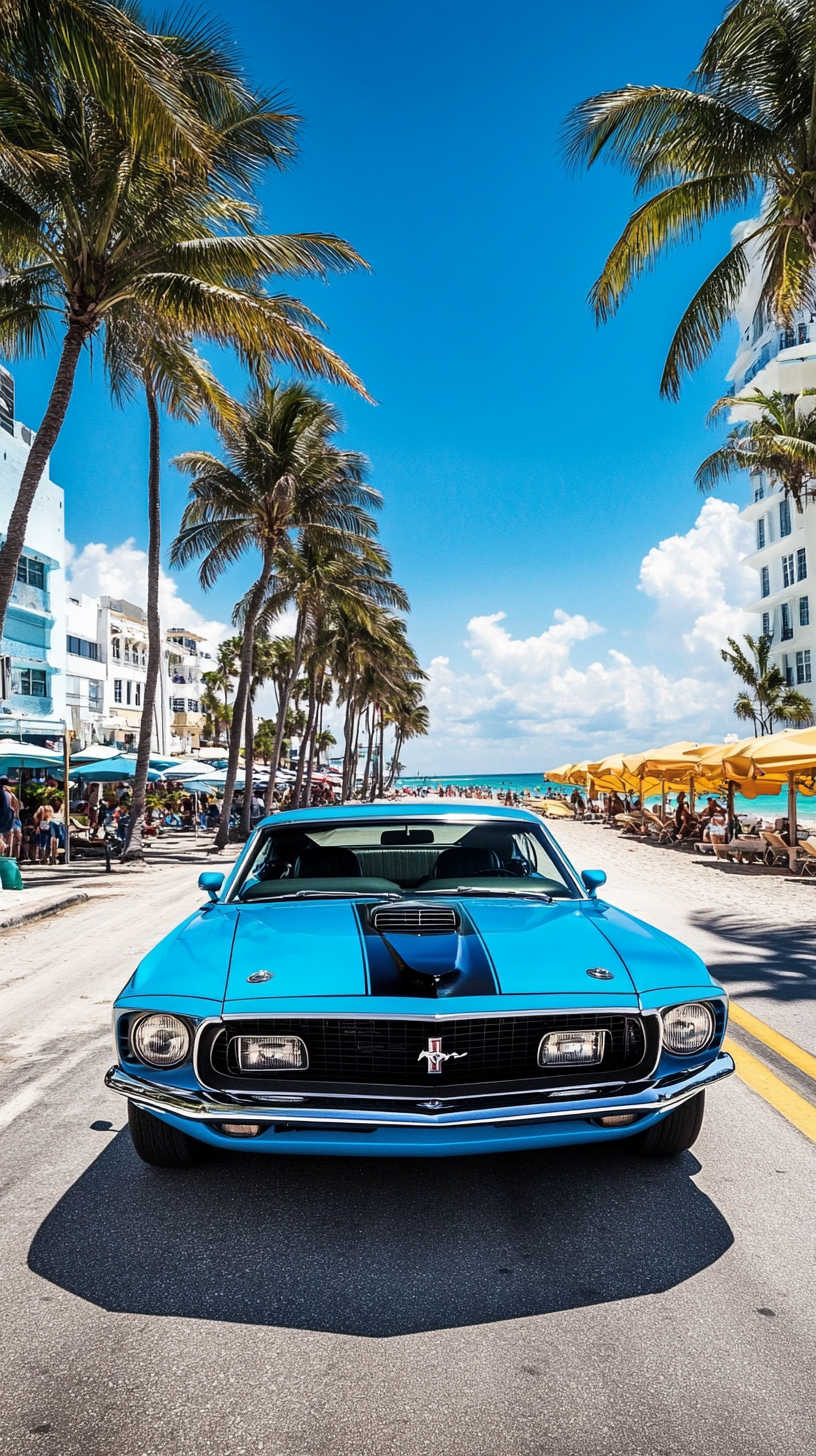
(673,1134)
(161,1145)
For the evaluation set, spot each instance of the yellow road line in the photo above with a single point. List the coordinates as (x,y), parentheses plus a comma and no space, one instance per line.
(783,1098)
(787,1049)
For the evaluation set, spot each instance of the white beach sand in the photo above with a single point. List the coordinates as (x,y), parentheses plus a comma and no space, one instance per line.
(754,927)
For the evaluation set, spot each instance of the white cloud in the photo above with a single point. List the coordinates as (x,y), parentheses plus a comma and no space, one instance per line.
(121,571)
(524,703)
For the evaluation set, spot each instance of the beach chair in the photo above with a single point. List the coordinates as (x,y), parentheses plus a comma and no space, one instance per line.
(663,832)
(778,852)
(807,864)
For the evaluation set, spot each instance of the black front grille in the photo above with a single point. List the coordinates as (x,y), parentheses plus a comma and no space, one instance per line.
(490,1049)
(415,919)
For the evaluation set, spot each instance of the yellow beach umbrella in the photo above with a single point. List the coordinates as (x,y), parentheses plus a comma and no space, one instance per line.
(790,754)
(559,775)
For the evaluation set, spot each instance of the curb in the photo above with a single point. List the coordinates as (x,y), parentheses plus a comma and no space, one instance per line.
(44,910)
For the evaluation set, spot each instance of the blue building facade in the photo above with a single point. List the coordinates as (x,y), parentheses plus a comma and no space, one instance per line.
(33,633)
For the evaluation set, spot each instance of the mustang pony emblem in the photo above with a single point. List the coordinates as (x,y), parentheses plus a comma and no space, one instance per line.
(435,1054)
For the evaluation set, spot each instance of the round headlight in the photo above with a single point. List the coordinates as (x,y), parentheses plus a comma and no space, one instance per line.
(688,1028)
(161,1040)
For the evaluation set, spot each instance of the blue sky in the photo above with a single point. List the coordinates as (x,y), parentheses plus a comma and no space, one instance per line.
(527,461)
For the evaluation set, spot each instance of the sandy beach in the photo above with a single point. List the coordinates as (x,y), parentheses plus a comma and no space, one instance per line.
(753,927)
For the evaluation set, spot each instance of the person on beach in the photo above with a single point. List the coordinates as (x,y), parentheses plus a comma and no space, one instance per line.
(685,823)
(9,812)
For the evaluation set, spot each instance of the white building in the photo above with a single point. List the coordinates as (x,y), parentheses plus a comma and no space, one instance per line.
(772,359)
(33,633)
(186,660)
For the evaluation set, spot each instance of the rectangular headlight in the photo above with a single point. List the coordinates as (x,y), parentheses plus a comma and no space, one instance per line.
(571,1048)
(271,1053)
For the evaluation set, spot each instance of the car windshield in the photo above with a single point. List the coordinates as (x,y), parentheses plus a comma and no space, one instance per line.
(419,857)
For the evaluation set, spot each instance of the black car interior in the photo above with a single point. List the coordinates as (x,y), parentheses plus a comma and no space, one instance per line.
(398,859)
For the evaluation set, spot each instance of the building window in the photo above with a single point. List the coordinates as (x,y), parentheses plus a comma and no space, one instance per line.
(801,564)
(137,694)
(192,705)
(787,671)
(766,623)
(80,647)
(178,705)
(33,683)
(116,648)
(117,690)
(787,571)
(765,581)
(759,492)
(95,696)
(31,571)
(787,625)
(128,690)
(760,533)
(804,612)
(803,666)
(784,517)
(804,334)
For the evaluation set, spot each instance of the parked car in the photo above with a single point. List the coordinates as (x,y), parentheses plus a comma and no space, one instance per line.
(413,981)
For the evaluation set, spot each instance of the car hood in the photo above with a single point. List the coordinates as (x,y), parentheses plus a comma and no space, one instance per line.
(503,947)
(257,955)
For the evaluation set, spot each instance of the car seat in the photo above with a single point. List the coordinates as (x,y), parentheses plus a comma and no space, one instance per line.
(466,862)
(327,863)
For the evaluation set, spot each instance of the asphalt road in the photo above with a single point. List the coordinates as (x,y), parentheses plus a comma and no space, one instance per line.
(573,1302)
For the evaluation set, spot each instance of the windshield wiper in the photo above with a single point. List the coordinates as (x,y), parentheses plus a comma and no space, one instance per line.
(491,890)
(331,895)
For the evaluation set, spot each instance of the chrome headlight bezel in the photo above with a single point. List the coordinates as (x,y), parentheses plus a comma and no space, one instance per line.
(672,1017)
(173,1026)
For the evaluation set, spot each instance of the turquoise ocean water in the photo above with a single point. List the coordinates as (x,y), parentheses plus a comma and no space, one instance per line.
(769,806)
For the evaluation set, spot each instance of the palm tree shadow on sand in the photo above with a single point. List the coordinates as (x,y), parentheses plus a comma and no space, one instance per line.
(375,1247)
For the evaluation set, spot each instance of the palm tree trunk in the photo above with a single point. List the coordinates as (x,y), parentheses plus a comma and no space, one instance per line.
(283,707)
(305,740)
(355,757)
(44,443)
(134,848)
(241,694)
(381,774)
(367,774)
(249,763)
(307,792)
(392,772)
(348,740)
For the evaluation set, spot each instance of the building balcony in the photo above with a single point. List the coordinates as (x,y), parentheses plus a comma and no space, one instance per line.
(31,705)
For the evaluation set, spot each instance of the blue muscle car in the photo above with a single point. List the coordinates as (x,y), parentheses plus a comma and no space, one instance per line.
(413,980)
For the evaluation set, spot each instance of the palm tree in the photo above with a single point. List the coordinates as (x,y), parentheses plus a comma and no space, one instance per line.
(282,472)
(411,720)
(263,664)
(781,441)
(766,698)
(744,129)
(332,584)
(98,220)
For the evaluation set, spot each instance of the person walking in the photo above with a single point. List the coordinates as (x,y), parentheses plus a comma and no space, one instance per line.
(45,833)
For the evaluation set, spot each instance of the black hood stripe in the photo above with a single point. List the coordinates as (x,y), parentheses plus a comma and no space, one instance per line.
(391,966)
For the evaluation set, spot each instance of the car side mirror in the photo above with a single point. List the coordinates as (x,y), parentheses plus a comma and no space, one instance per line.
(593,879)
(211,881)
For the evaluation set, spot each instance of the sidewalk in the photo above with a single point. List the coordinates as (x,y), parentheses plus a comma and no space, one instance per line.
(49,889)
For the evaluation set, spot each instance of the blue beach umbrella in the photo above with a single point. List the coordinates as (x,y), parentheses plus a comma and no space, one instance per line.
(112,770)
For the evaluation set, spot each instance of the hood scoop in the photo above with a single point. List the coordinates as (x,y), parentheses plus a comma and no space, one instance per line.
(423,943)
(415,919)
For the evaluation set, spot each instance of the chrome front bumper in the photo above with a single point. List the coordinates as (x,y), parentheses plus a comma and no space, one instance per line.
(205,1107)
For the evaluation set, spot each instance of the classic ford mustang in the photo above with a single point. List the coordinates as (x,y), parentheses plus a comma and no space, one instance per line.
(413,980)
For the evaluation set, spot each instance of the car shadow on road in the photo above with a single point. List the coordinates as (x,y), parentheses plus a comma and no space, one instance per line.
(378,1247)
(778,960)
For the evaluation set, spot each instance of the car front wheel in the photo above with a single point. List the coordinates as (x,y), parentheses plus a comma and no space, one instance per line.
(672,1134)
(161,1145)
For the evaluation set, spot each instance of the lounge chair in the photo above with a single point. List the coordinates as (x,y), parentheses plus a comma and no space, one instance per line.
(778,852)
(663,832)
(807,864)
